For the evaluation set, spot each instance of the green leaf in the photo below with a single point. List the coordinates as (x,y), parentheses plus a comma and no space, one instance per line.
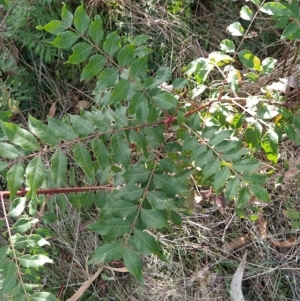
(133,263)
(81,125)
(3,251)
(139,140)
(246,13)
(63,130)
(221,177)
(137,99)
(42,131)
(236,29)
(101,152)
(65,39)
(86,200)
(142,51)
(49,218)
(297,122)
(83,159)
(169,184)
(268,65)
(126,55)
(142,112)
(234,154)
(254,178)
(276,9)
(112,228)
(106,79)
(253,134)
(246,165)
(15,178)
(168,165)
(21,242)
(120,150)
(208,131)
(269,144)
(66,16)
(218,137)
(140,39)
(59,164)
(8,151)
(243,198)
(20,136)
(33,261)
(107,253)
(163,75)
(81,51)
(35,175)
(165,101)
(154,219)
(54,26)
(260,192)
(155,136)
(130,192)
(23,224)
(145,243)
(17,207)
(139,67)
(81,19)
(227,46)
(43,296)
(136,175)
(94,67)
(121,91)
(9,278)
(232,188)
(290,132)
(120,208)
(95,30)
(204,158)
(211,168)
(250,60)
(111,44)
(290,32)
(159,200)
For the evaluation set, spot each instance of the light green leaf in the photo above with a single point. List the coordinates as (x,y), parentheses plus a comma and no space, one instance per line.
(107,253)
(219,58)
(43,132)
(120,150)
(243,198)
(145,243)
(246,165)
(169,184)
(268,65)
(111,44)
(23,224)
(54,26)
(276,9)
(3,165)
(113,227)
(66,16)
(33,261)
(211,168)
(15,178)
(101,152)
(59,164)
(106,79)
(20,136)
(121,91)
(81,51)
(65,39)
(154,219)
(21,242)
(227,46)
(35,175)
(165,101)
(218,137)
(81,125)
(133,263)
(63,130)
(221,177)
(8,151)
(269,143)
(126,55)
(236,29)
(139,67)
(246,13)
(96,31)
(232,188)
(17,207)
(94,67)
(130,192)
(250,60)
(81,19)
(136,175)
(43,296)
(83,159)
(159,200)
(261,193)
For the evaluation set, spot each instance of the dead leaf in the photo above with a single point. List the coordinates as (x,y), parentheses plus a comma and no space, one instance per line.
(85,286)
(120,270)
(236,243)
(262,225)
(82,104)
(52,110)
(284,244)
(236,293)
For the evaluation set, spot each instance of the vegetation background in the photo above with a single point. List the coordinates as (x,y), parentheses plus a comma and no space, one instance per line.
(236,64)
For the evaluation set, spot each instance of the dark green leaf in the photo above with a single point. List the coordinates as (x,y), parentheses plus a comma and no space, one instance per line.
(234,154)
(145,243)
(154,219)
(137,99)
(221,177)
(211,168)
(204,158)
(81,125)
(59,164)
(130,192)
(139,67)
(111,44)
(142,112)
(15,178)
(136,175)
(169,184)
(243,198)
(254,178)
(218,137)
(107,253)
(35,175)
(140,39)
(261,193)
(232,188)
(9,278)
(165,101)
(246,165)
(63,130)
(208,131)
(83,159)
(133,263)
(120,150)
(168,165)
(100,151)
(120,208)
(160,200)
(139,140)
